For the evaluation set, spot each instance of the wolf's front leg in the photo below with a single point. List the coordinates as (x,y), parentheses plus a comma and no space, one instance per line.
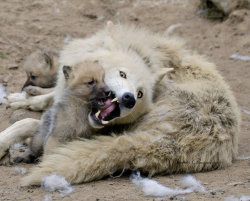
(35,103)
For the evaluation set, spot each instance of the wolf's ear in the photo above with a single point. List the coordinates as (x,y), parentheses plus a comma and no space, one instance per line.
(110,38)
(111,29)
(161,74)
(67,71)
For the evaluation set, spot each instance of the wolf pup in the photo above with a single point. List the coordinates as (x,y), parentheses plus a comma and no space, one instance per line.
(41,69)
(67,119)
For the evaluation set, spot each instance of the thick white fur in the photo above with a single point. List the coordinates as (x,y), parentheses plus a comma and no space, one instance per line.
(191,124)
(19,131)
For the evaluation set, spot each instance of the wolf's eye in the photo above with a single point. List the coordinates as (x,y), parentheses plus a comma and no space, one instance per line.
(140,94)
(123,75)
(92,82)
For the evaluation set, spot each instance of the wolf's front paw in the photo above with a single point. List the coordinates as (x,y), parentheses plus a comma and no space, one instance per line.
(16,97)
(35,103)
(18,100)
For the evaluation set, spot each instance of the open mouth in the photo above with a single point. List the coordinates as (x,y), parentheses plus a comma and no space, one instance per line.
(105,109)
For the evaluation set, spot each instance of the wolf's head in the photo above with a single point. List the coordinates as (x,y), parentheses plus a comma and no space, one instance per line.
(128,77)
(131,83)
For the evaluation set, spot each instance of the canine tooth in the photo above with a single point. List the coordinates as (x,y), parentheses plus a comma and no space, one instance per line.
(115,99)
(97,114)
(104,122)
(109,93)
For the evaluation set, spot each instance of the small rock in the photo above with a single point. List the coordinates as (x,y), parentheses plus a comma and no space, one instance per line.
(213,193)
(90,16)
(100,17)
(4,80)
(217,46)
(236,183)
(13,66)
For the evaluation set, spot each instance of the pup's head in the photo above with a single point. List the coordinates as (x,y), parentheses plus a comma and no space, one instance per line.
(41,69)
(131,83)
(86,82)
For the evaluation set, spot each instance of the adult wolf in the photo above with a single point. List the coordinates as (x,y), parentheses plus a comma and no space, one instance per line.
(188,122)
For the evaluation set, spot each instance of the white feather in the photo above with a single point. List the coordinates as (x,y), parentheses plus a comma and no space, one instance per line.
(54,182)
(153,188)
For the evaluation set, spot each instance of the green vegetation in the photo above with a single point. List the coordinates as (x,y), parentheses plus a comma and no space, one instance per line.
(2,55)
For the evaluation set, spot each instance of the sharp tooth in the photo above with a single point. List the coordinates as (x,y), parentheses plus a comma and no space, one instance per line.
(109,93)
(104,122)
(97,114)
(115,99)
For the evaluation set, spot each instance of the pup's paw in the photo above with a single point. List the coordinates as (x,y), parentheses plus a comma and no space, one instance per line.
(25,158)
(33,90)
(5,160)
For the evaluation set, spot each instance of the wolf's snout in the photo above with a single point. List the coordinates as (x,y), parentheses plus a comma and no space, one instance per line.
(128,100)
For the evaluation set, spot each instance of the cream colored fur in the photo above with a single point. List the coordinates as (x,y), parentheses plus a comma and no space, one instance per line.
(192,124)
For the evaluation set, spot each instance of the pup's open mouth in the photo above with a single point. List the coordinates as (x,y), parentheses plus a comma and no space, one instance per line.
(105,109)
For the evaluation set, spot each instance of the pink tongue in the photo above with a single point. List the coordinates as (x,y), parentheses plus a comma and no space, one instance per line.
(108,102)
(107,111)
(109,107)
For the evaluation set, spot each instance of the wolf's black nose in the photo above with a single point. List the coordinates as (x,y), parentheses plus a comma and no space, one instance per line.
(128,100)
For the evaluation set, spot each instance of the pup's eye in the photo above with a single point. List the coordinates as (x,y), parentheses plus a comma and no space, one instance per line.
(140,94)
(32,77)
(123,75)
(92,82)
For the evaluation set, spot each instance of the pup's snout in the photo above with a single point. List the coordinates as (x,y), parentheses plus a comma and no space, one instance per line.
(128,100)
(107,92)
(27,83)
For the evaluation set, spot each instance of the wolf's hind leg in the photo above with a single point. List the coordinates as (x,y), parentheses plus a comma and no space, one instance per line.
(17,132)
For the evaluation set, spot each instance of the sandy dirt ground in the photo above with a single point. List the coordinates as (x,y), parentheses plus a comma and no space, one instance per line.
(27,25)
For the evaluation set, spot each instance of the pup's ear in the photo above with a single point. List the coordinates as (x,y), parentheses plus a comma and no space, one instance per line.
(50,58)
(161,73)
(67,71)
